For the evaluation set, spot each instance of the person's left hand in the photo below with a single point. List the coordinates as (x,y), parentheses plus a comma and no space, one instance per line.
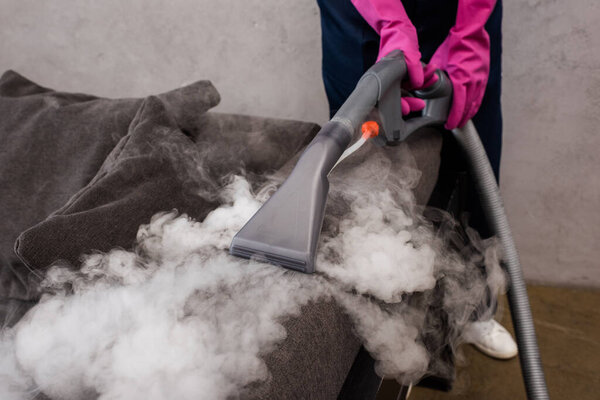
(465,56)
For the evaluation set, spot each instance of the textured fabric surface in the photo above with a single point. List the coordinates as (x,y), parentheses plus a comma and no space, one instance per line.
(145,157)
(52,145)
(155,167)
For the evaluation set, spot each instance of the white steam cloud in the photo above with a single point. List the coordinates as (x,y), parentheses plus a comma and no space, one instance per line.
(180,318)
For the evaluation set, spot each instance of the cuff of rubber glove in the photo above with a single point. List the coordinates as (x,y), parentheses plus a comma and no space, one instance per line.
(458,107)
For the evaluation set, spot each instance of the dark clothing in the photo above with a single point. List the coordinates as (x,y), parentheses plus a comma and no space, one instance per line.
(350,47)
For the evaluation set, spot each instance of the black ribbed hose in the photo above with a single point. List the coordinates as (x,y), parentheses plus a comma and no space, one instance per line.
(531,365)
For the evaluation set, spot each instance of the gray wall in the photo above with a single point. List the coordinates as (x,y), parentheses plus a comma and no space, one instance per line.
(264,57)
(551,162)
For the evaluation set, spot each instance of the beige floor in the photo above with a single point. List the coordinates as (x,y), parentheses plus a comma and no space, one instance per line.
(568,327)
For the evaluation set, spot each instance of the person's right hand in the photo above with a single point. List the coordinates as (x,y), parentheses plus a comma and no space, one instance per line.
(465,56)
(389,20)
(466,60)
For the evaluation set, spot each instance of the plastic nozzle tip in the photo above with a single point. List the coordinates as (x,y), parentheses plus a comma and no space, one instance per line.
(369,129)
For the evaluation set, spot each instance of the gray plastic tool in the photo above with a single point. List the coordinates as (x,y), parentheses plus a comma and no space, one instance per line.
(285,231)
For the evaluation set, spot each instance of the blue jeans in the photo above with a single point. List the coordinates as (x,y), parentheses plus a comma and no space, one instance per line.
(350,47)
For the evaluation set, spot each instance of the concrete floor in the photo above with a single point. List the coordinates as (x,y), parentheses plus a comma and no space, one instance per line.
(568,326)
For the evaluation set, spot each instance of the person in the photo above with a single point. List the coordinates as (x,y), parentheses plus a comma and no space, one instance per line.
(461,37)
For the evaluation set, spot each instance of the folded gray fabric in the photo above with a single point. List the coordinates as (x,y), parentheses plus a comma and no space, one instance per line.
(155,167)
(52,144)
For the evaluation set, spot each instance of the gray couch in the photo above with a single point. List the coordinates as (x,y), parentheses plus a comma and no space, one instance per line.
(68,160)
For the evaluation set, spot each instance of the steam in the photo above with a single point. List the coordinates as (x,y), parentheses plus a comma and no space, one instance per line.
(178,317)
(375,239)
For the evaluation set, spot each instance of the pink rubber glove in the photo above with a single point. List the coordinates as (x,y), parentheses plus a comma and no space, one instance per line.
(465,56)
(388,18)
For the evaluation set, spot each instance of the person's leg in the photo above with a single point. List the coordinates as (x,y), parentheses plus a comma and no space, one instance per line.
(433,19)
(488,119)
(489,336)
(350,47)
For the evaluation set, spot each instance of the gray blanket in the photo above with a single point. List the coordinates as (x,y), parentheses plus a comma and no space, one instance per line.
(73,163)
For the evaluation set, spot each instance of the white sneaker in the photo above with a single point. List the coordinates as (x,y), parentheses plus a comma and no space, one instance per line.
(491,338)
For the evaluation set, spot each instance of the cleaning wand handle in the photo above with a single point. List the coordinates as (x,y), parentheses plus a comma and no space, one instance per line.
(378,79)
(396,129)
(323,153)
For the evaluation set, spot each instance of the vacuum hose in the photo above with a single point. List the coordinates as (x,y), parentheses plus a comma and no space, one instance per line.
(531,365)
